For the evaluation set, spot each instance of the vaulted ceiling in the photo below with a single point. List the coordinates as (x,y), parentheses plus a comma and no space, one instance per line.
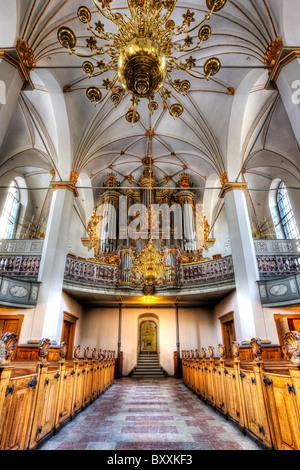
(230,122)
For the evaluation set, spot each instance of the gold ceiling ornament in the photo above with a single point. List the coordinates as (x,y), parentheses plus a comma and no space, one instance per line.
(73,177)
(223,178)
(144,52)
(273,52)
(26,54)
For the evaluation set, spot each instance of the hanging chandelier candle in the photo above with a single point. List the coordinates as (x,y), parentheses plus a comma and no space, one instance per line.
(143,54)
(149,268)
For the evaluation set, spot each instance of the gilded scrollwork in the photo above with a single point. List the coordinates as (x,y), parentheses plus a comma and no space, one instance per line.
(63,349)
(235,349)
(76,351)
(256,346)
(43,351)
(9,342)
(222,351)
(292,346)
(86,352)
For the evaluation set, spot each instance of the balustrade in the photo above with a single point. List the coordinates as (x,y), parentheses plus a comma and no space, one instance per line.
(87,271)
(36,399)
(207,271)
(275,258)
(261,397)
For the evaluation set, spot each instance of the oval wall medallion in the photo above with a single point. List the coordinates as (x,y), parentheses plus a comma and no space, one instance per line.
(18,291)
(277,290)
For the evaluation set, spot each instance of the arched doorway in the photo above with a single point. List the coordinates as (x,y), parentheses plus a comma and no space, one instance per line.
(148,336)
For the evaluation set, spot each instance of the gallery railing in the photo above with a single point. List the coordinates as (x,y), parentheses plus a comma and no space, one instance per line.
(275,258)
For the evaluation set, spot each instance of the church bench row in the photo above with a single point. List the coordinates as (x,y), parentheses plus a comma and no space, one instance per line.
(37,400)
(261,397)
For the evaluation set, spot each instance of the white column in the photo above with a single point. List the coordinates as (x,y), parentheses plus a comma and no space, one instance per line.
(11,84)
(48,315)
(248,318)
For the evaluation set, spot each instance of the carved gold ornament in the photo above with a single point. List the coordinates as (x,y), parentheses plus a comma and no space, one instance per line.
(149,267)
(43,350)
(26,54)
(144,52)
(292,346)
(273,52)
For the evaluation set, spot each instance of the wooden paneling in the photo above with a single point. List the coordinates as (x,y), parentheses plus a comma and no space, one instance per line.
(31,353)
(17,413)
(35,405)
(283,410)
(261,396)
(268,352)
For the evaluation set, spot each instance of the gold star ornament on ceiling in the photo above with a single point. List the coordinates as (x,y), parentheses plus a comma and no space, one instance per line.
(144,53)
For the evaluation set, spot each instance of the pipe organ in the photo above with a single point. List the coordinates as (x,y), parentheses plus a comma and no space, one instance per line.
(167,213)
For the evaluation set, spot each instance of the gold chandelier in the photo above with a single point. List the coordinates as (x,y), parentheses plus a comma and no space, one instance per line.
(150,268)
(143,52)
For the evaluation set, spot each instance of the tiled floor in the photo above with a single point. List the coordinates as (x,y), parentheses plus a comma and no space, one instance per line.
(149,414)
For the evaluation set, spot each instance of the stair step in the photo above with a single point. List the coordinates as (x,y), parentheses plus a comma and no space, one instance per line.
(148,366)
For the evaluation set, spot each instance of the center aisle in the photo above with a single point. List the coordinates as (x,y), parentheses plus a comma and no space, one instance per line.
(149,414)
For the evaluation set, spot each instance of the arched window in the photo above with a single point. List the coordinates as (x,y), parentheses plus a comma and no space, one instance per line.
(10,212)
(286,213)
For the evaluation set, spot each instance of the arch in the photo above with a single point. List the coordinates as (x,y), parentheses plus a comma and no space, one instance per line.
(244,112)
(23,199)
(144,317)
(286,213)
(64,164)
(10,212)
(274,207)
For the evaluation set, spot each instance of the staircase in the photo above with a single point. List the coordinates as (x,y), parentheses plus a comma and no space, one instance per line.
(148,366)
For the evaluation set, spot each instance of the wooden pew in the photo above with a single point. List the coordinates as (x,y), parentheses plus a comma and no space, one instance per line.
(37,399)
(262,397)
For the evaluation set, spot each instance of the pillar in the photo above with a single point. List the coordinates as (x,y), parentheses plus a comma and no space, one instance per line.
(179,373)
(48,315)
(119,368)
(248,317)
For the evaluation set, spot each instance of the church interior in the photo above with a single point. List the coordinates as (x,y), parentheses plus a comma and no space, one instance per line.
(149,224)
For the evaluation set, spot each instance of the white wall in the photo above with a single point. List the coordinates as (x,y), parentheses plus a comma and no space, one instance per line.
(69,305)
(229,304)
(28,315)
(100,329)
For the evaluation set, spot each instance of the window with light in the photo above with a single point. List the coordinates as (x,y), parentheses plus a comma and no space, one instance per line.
(10,212)
(286,213)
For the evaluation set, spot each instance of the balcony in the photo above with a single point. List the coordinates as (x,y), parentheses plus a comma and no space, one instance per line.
(278,265)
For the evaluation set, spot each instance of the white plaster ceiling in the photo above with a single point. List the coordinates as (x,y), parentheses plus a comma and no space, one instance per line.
(98,140)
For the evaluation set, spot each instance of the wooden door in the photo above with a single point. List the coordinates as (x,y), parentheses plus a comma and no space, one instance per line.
(294,324)
(11,324)
(148,336)
(68,332)
(228,332)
